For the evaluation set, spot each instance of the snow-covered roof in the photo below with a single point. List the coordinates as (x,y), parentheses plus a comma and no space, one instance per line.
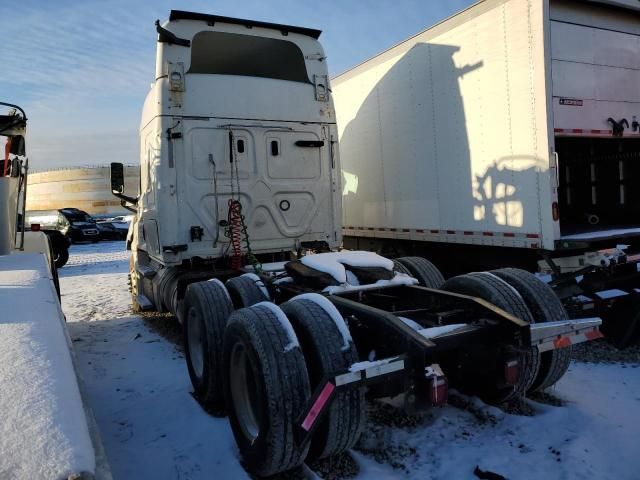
(43,427)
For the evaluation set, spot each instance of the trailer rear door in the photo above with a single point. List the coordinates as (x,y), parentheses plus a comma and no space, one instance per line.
(595,64)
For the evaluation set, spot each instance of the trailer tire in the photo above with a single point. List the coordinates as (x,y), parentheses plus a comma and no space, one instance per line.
(495,290)
(207,307)
(245,292)
(325,353)
(266,389)
(423,270)
(545,306)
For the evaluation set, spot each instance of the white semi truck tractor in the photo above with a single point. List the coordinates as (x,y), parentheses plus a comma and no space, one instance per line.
(236,232)
(506,135)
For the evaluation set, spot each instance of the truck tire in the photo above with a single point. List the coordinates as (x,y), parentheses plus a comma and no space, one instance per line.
(492,289)
(244,291)
(266,388)
(207,307)
(545,306)
(326,353)
(400,268)
(423,270)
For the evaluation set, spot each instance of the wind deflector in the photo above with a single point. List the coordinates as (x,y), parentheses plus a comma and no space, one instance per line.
(212,19)
(165,36)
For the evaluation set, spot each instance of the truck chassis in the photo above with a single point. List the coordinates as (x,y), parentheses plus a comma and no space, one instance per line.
(278,336)
(603,282)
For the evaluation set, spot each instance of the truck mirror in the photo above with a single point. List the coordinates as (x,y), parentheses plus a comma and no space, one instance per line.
(117,177)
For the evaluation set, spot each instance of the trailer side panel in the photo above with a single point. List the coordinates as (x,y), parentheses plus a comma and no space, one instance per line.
(444,137)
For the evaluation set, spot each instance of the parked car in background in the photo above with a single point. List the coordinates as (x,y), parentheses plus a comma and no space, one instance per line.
(76,224)
(60,243)
(112,228)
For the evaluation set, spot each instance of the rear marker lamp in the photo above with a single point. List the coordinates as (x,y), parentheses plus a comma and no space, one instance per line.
(511,372)
(438,387)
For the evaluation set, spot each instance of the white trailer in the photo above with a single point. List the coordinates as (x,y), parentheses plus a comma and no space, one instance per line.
(511,124)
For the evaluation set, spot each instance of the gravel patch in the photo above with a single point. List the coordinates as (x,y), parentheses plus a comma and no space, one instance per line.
(166,325)
(601,351)
(375,441)
(335,468)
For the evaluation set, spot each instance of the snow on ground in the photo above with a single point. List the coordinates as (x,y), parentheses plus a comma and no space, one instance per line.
(139,389)
(137,382)
(590,436)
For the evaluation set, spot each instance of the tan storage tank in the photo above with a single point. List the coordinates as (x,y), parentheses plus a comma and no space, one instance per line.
(85,188)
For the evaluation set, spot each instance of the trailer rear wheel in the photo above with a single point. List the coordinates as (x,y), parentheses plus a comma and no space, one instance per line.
(423,270)
(327,352)
(246,290)
(266,388)
(207,306)
(491,288)
(545,306)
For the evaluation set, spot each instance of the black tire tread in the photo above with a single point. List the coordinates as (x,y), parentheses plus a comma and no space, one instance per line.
(491,288)
(400,268)
(216,308)
(342,425)
(423,270)
(545,306)
(286,385)
(244,292)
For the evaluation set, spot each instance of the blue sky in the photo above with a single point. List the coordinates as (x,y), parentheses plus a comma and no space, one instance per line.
(81,69)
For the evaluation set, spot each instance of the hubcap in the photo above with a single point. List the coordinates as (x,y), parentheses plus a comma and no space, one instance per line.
(244,392)
(194,337)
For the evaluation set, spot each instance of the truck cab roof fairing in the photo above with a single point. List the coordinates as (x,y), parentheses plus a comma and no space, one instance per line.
(211,19)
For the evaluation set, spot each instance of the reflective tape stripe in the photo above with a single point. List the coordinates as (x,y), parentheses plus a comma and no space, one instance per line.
(565,341)
(318,406)
(562,342)
(593,335)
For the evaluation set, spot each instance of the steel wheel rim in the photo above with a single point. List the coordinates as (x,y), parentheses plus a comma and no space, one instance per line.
(194,339)
(244,392)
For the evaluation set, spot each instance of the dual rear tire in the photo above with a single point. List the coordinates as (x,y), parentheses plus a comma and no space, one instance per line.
(262,363)
(207,306)
(487,384)
(522,294)
(545,306)
(421,269)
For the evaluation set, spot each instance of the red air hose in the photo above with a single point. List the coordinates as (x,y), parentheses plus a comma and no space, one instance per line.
(235,233)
